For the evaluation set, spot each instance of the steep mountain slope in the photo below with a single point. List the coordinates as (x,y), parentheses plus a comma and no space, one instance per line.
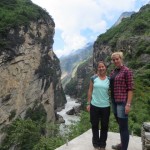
(132,36)
(70,63)
(30,71)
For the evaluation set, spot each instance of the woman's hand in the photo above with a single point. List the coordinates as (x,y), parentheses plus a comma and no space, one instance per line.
(127,109)
(88,108)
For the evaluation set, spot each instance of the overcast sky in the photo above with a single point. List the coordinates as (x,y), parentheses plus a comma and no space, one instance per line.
(78,22)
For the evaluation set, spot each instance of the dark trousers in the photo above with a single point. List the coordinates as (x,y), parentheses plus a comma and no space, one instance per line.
(99,115)
(124,132)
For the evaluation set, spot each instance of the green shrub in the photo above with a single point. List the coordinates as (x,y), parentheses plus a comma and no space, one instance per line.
(23,133)
(37,113)
(12,114)
(49,143)
(19,12)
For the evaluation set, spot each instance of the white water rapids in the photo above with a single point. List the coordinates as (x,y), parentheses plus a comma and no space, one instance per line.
(68,106)
(69,119)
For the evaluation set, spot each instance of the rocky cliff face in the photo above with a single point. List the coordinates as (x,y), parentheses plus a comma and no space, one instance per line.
(30,72)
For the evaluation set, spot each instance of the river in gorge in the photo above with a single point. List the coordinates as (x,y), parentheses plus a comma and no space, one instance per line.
(69,119)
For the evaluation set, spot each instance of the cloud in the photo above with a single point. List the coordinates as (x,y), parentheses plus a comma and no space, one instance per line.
(74,16)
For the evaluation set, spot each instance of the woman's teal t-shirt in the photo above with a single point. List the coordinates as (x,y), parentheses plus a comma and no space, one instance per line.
(100,96)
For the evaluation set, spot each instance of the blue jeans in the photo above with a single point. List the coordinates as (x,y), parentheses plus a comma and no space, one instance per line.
(122,120)
(119,110)
(99,115)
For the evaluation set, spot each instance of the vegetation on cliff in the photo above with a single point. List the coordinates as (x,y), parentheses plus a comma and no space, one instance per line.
(14,13)
(136,25)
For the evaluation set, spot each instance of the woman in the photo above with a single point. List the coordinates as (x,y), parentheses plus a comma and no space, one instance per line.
(121,84)
(99,106)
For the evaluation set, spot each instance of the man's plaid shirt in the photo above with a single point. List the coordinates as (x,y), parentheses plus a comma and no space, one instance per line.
(123,83)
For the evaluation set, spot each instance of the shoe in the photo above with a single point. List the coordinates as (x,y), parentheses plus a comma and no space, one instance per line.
(96,146)
(117,147)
